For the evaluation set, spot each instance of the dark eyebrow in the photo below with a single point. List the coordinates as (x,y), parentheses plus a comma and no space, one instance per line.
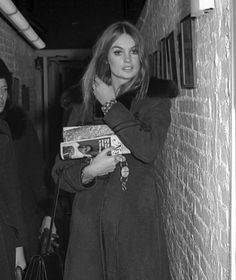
(119,47)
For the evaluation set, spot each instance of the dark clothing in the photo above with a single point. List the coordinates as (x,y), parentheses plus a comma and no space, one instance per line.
(71,101)
(12,231)
(30,167)
(116,234)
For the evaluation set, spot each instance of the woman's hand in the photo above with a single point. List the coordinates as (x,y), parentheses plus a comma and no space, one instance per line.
(20,258)
(102,91)
(46,224)
(102,164)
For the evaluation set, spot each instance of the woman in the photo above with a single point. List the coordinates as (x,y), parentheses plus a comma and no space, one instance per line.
(115,225)
(12,231)
(30,165)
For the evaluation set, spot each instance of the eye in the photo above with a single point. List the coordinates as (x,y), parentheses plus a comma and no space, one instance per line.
(117,52)
(134,51)
(4,90)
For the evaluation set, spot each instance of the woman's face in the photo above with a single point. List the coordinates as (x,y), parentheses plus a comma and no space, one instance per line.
(3,94)
(123,59)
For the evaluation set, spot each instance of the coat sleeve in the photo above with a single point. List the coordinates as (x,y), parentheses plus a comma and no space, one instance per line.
(69,174)
(10,192)
(143,133)
(69,171)
(36,166)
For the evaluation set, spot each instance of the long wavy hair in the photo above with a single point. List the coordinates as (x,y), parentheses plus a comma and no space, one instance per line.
(99,63)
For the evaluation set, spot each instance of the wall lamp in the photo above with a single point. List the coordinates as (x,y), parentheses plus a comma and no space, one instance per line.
(200,7)
(11,12)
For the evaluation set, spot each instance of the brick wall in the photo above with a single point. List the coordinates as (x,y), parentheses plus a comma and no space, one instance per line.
(193,174)
(19,57)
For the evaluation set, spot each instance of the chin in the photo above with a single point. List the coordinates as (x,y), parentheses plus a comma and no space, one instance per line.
(128,76)
(124,77)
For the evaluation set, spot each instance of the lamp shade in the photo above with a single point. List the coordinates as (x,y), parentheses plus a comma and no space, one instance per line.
(206,4)
(199,7)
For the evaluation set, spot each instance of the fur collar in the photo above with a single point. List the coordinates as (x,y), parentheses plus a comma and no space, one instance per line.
(157,88)
(162,88)
(17,120)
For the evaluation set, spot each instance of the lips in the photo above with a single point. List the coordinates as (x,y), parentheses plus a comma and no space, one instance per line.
(127,68)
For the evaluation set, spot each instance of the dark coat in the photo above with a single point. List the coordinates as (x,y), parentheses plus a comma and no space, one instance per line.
(30,166)
(12,231)
(71,101)
(117,234)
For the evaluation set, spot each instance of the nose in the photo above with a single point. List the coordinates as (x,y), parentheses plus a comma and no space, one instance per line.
(127,57)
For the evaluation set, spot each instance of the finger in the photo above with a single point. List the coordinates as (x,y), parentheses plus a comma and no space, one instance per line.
(110,170)
(116,159)
(120,158)
(106,151)
(97,80)
(94,88)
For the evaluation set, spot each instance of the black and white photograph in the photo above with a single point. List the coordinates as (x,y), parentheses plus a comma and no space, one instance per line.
(188,78)
(117,140)
(172,57)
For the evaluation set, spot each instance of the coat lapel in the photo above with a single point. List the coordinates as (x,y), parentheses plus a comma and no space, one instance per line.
(127,98)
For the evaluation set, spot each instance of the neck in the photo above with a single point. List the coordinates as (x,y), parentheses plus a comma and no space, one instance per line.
(117,82)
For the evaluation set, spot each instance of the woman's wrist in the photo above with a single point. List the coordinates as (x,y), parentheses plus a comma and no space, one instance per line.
(107,106)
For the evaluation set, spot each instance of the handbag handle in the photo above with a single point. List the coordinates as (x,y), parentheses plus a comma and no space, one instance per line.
(47,250)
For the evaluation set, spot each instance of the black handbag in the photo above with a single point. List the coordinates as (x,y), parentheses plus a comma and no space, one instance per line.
(48,264)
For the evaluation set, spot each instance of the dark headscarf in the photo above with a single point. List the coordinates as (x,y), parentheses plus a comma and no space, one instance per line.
(5,73)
